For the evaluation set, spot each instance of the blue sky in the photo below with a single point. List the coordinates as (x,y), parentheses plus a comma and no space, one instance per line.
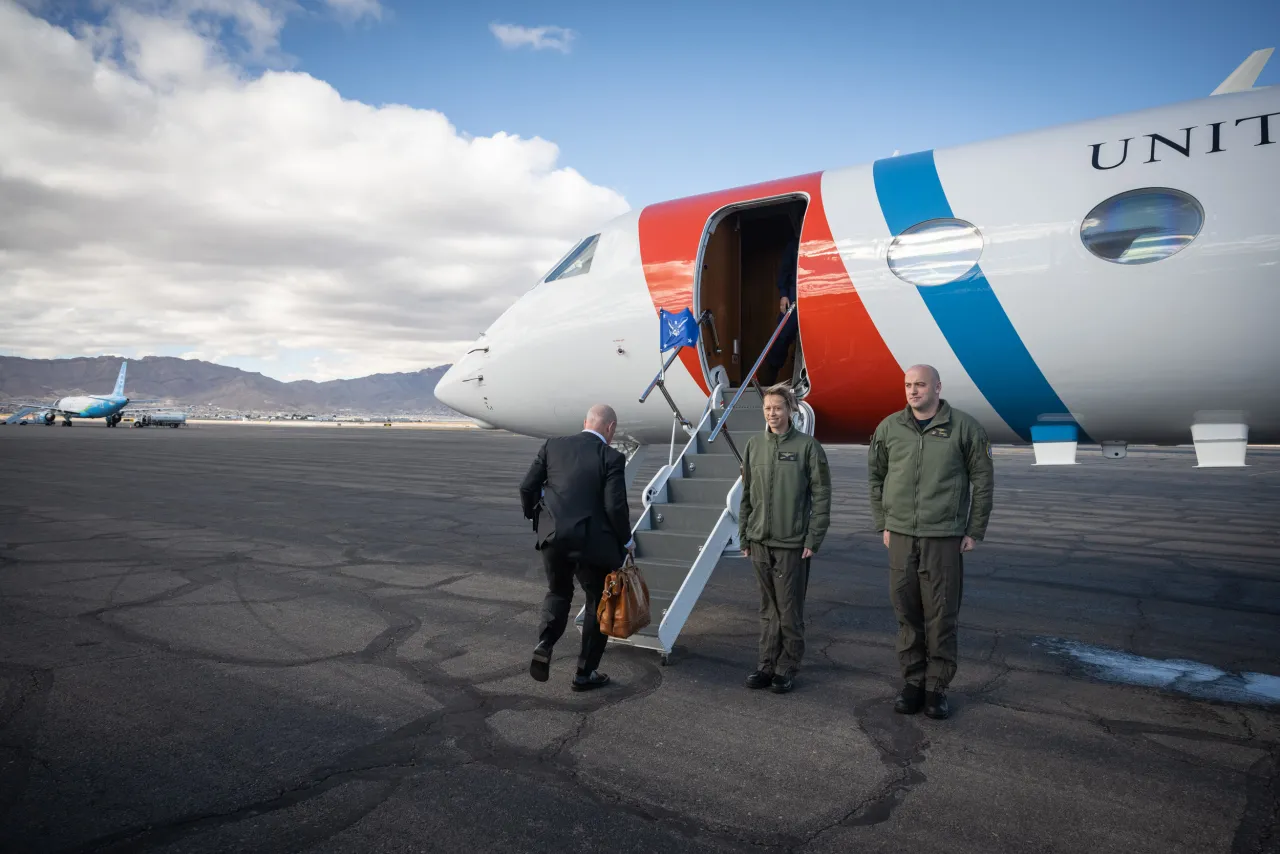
(664,99)
(190,205)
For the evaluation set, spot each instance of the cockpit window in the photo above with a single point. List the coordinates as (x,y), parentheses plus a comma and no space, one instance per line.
(577,262)
(1141,226)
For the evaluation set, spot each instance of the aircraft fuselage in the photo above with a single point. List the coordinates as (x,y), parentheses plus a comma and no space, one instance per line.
(1121,275)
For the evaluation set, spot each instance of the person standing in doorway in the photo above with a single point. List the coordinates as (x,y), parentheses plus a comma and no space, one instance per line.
(782,520)
(932,479)
(786,298)
(575,492)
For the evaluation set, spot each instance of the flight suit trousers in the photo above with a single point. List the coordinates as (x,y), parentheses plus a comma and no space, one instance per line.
(926,580)
(784,580)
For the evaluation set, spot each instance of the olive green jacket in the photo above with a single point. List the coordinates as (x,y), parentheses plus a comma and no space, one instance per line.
(786,491)
(920,482)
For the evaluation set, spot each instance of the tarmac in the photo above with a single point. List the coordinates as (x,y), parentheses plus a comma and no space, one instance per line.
(216,639)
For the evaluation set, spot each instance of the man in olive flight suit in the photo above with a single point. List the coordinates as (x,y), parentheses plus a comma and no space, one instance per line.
(923,461)
(782,520)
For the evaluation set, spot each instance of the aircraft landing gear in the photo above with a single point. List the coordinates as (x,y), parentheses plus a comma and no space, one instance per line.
(66,422)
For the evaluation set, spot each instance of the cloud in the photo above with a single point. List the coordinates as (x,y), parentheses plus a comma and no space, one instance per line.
(354,10)
(539,38)
(155,195)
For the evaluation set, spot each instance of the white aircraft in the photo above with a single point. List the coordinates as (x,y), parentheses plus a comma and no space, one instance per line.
(1111,281)
(109,407)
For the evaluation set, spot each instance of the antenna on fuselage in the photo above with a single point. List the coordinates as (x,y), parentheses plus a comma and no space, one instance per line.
(1243,78)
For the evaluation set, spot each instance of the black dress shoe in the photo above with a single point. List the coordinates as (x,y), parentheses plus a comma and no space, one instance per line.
(910,700)
(760,679)
(586,683)
(782,684)
(936,705)
(540,667)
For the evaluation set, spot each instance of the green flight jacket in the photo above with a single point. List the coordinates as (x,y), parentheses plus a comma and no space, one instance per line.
(786,491)
(920,481)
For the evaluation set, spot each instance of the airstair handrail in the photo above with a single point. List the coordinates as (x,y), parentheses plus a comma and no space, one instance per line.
(657,378)
(659,383)
(751,377)
(664,474)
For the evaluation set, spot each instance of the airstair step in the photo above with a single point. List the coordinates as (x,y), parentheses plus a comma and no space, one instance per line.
(744,425)
(711,465)
(669,545)
(686,518)
(745,420)
(663,578)
(718,448)
(699,490)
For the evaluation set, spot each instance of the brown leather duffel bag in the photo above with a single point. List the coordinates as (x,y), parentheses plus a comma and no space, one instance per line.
(624,605)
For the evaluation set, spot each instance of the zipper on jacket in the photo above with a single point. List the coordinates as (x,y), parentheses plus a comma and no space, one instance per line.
(915,525)
(768,484)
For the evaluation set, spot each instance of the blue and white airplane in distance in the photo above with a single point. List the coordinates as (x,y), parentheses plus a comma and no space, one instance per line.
(107,406)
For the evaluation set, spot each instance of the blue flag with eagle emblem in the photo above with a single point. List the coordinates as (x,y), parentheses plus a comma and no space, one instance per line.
(679,329)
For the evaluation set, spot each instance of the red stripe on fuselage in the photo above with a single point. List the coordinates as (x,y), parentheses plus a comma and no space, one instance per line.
(855,379)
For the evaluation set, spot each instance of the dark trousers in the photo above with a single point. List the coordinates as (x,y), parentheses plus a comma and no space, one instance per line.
(561,571)
(784,580)
(778,353)
(926,580)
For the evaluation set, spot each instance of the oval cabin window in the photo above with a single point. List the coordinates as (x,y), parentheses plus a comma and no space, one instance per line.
(1142,226)
(937,252)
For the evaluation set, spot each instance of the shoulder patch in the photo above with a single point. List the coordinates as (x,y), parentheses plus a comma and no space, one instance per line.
(988,444)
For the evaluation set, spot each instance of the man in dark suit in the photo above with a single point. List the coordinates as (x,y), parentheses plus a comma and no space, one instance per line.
(576,495)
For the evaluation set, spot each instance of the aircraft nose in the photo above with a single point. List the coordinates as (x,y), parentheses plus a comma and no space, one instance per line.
(459,388)
(449,390)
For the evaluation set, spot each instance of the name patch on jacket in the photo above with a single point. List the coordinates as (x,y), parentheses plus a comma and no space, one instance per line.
(788,456)
(940,432)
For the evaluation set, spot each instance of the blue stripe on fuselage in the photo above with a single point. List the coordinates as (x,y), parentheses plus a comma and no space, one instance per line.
(103,409)
(968,311)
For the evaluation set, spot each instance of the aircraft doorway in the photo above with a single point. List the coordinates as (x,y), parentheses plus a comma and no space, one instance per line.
(746,252)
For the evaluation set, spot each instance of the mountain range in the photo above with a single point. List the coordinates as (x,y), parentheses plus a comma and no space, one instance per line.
(192,382)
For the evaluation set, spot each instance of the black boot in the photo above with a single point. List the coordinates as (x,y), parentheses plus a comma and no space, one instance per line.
(782,684)
(595,679)
(910,700)
(936,705)
(540,667)
(760,679)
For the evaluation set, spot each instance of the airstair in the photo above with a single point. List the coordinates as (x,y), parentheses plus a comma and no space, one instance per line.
(689,515)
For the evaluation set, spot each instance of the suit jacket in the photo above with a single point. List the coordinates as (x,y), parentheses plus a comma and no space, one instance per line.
(583,513)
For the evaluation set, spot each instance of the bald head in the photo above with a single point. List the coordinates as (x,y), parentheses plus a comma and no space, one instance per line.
(929,372)
(602,419)
(924,390)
